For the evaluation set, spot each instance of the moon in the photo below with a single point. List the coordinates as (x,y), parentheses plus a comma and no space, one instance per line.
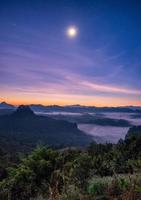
(72,31)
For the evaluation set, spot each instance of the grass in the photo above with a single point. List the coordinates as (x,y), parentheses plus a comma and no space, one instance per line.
(119,185)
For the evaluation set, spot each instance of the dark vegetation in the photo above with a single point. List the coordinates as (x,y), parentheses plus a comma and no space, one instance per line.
(23,130)
(96,172)
(4,111)
(97,119)
(100,171)
(134,131)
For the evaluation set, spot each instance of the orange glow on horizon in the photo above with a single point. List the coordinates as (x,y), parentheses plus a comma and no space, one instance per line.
(87,101)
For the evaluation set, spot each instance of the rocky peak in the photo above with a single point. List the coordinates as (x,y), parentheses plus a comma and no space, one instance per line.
(23,111)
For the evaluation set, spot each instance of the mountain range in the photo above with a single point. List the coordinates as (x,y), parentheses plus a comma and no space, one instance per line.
(23,128)
(74,108)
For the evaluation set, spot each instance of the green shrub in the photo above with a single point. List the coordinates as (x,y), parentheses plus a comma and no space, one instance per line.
(70,193)
(98,185)
(108,185)
(119,186)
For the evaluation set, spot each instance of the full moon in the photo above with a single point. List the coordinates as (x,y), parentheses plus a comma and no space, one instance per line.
(72,31)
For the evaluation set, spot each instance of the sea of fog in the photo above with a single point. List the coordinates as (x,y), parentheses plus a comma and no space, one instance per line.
(104,133)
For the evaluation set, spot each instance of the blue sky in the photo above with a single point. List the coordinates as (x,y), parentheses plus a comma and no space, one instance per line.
(39,63)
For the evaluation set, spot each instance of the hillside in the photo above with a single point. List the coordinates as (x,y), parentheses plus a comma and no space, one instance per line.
(98,172)
(98,119)
(26,130)
(134,131)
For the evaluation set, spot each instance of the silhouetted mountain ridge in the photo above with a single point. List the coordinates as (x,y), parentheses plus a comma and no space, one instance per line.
(4,105)
(75,108)
(23,111)
(23,127)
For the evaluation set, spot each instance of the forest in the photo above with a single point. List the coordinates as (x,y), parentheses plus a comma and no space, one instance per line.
(97,172)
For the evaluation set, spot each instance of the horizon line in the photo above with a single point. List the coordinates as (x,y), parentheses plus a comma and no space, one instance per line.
(65,105)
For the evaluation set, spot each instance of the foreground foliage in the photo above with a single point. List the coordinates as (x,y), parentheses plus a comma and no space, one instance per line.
(98,172)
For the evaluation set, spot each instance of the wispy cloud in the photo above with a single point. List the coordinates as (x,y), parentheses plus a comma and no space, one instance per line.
(35,64)
(111,89)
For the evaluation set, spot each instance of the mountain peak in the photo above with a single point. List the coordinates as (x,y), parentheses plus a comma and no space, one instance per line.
(23,111)
(5,105)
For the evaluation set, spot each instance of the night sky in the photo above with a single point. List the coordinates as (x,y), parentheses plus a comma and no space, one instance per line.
(40,63)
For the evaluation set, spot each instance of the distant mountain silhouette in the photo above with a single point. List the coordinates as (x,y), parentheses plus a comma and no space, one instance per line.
(81,109)
(4,105)
(23,111)
(98,119)
(134,107)
(76,108)
(24,128)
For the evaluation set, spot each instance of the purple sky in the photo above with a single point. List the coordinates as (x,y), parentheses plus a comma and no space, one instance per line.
(39,63)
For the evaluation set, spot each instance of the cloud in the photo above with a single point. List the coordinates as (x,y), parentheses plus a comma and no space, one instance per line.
(110,89)
(43,67)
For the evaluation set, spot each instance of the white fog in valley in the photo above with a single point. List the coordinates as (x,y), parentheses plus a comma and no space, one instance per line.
(101,133)
(104,133)
(126,116)
(110,133)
